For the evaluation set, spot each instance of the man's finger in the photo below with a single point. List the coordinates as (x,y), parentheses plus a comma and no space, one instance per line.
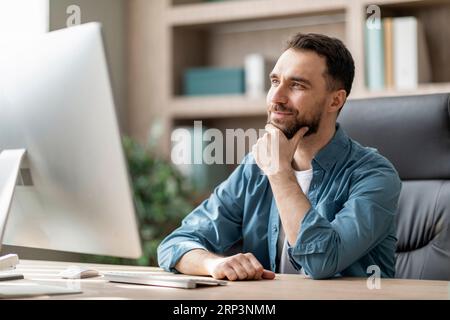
(256,265)
(269,275)
(240,271)
(300,134)
(304,130)
(230,274)
(249,269)
(271,129)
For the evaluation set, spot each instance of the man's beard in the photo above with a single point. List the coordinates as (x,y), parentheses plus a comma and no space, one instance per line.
(292,126)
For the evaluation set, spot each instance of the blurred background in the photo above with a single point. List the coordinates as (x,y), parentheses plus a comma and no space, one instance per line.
(173,62)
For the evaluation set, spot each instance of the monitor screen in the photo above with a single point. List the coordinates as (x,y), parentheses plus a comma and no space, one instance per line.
(56,103)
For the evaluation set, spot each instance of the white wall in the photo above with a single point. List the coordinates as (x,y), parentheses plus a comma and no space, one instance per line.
(111,13)
(22,19)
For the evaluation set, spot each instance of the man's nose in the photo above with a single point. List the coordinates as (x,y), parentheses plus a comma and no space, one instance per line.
(279,95)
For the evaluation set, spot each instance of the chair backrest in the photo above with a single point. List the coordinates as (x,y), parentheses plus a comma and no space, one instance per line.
(413,132)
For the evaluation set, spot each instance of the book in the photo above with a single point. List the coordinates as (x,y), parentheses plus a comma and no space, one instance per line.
(257,70)
(374,53)
(211,81)
(411,58)
(388,53)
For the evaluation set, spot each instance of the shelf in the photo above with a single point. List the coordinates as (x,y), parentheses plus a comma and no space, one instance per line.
(197,108)
(420,90)
(410,3)
(216,107)
(231,11)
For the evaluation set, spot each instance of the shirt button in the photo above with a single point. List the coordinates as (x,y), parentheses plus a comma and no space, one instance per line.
(275,229)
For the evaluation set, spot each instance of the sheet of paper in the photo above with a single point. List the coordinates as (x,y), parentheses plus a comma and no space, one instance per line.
(19,289)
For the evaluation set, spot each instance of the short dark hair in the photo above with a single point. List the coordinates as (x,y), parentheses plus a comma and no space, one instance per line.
(340,64)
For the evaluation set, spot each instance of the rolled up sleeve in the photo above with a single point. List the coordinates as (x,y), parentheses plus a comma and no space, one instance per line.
(215,225)
(325,248)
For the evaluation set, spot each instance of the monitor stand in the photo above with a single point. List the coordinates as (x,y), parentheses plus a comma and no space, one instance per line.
(10,162)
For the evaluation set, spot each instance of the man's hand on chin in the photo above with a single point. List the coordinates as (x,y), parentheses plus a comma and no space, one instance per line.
(273,152)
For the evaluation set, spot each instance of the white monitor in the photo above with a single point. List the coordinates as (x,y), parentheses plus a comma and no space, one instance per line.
(56,103)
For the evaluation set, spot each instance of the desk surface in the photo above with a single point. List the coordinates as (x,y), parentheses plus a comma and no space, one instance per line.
(283,287)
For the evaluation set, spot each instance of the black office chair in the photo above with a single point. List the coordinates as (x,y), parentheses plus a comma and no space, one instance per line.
(413,132)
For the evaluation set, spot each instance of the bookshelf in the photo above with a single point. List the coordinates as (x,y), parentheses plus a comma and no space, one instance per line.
(193,33)
(221,33)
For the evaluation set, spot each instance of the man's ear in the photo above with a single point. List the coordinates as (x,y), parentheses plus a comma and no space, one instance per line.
(338,100)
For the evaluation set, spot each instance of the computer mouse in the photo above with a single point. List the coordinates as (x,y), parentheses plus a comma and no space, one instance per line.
(76,272)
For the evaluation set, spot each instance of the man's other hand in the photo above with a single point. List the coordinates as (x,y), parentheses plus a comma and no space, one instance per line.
(238,267)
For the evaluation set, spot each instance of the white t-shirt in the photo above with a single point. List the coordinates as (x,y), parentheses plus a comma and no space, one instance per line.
(304,180)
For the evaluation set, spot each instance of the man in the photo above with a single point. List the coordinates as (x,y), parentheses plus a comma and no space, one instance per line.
(326,208)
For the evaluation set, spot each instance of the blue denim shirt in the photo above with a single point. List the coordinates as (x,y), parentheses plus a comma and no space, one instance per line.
(351,225)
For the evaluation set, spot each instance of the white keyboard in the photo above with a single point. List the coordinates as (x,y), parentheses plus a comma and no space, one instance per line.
(161,279)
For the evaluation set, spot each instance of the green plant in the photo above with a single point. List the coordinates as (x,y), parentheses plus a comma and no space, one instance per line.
(161,195)
(162,199)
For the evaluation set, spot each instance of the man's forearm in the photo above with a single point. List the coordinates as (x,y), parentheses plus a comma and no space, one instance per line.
(195,262)
(291,202)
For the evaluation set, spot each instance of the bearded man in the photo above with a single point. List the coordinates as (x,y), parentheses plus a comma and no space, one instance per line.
(308,199)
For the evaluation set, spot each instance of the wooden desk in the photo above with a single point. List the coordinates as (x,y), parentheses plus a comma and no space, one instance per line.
(284,287)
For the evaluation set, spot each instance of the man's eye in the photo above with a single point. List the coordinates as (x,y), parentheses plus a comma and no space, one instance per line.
(298,85)
(274,81)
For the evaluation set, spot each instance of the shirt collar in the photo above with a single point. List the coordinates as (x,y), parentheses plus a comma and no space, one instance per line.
(336,147)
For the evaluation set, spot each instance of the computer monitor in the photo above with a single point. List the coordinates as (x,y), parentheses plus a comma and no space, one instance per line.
(56,103)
